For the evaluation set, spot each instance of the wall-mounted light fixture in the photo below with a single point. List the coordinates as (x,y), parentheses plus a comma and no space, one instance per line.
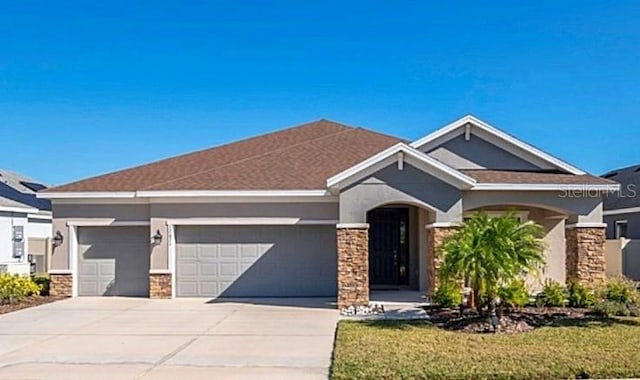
(58,239)
(157,238)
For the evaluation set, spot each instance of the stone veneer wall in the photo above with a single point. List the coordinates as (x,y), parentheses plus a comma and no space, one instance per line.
(353,267)
(60,285)
(159,285)
(435,238)
(585,259)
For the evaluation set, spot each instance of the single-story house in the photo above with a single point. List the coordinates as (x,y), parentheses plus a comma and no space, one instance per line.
(25,225)
(622,215)
(322,209)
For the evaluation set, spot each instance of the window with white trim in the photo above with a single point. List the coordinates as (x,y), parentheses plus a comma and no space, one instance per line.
(621,229)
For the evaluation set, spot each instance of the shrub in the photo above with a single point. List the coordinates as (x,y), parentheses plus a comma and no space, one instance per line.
(553,295)
(43,281)
(514,295)
(448,294)
(620,289)
(580,295)
(14,287)
(611,309)
(618,296)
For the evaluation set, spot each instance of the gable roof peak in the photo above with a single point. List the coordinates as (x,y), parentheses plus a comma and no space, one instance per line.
(496,136)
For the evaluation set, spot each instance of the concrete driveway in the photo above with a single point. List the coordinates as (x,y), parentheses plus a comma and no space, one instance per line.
(128,338)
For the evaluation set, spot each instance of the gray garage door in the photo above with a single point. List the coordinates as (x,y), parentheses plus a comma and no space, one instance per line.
(256,261)
(113,261)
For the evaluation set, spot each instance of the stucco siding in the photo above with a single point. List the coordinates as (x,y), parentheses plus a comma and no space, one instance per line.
(308,211)
(392,185)
(119,212)
(159,214)
(477,153)
(578,209)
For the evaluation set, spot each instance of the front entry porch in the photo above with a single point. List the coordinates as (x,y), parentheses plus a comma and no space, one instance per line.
(397,251)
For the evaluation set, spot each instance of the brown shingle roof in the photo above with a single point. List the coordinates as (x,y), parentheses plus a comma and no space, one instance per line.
(297,158)
(505,176)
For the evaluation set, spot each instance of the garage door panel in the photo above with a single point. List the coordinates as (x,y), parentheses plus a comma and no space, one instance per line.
(254,261)
(107,268)
(209,288)
(208,269)
(113,261)
(229,269)
(226,250)
(206,252)
(90,269)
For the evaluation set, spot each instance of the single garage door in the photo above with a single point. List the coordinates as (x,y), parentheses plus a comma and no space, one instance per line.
(113,261)
(255,261)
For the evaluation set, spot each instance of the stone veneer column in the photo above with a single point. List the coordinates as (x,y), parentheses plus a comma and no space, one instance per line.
(353,265)
(585,260)
(60,284)
(436,234)
(159,285)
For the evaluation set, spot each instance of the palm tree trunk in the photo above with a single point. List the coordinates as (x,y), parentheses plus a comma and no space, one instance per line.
(474,299)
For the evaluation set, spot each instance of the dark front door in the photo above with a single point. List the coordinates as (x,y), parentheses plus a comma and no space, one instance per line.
(388,246)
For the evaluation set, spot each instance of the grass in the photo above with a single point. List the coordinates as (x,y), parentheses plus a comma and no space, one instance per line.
(593,348)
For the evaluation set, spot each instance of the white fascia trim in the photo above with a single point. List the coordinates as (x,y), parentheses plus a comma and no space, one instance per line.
(87,195)
(168,195)
(106,222)
(160,271)
(60,271)
(500,134)
(445,171)
(363,226)
(619,211)
(545,187)
(230,193)
(246,222)
(22,210)
(586,225)
(443,225)
(40,216)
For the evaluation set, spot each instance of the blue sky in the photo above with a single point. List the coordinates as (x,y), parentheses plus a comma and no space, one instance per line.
(90,88)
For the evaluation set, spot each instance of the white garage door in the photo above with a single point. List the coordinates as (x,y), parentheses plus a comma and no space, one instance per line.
(255,261)
(113,261)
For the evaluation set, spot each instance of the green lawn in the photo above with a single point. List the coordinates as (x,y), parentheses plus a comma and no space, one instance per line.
(404,350)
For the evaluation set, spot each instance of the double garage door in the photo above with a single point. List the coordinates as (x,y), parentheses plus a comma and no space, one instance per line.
(212,261)
(255,261)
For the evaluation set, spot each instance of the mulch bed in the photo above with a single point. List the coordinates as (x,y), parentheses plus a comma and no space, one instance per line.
(511,321)
(26,303)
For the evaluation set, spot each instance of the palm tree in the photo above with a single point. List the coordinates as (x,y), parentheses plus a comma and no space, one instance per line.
(490,251)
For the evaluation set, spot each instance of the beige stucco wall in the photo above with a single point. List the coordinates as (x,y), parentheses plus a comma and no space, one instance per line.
(577,209)
(613,257)
(159,214)
(391,185)
(119,212)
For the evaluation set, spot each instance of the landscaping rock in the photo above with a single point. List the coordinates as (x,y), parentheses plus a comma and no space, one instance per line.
(362,311)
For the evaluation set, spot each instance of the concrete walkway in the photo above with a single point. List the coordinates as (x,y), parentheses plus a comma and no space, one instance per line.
(127,338)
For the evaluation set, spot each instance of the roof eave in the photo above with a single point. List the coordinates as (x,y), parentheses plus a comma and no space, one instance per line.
(602,188)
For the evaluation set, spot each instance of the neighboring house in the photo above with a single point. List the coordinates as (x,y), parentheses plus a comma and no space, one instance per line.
(25,224)
(622,215)
(322,209)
